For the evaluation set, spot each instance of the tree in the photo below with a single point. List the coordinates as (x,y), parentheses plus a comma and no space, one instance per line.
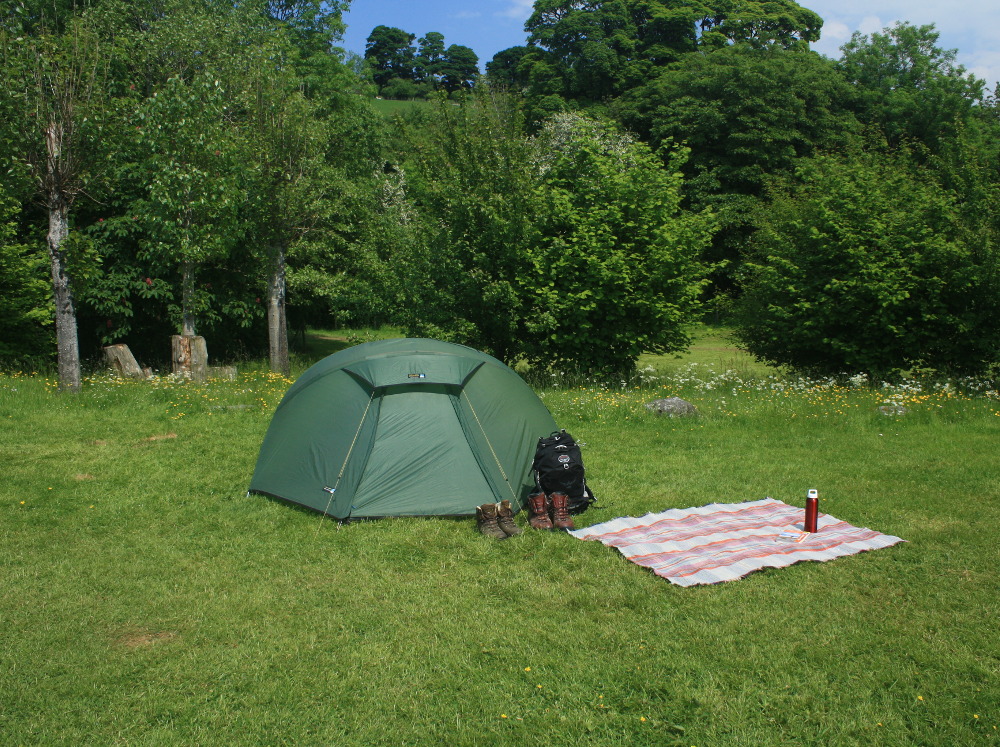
(181,225)
(391,53)
(616,269)
(189,212)
(400,89)
(340,272)
(909,88)
(503,69)
(33,18)
(287,184)
(590,43)
(566,250)
(781,24)
(61,78)
(472,191)
(747,115)
(431,55)
(599,49)
(161,267)
(310,25)
(286,188)
(185,163)
(864,265)
(313,28)
(966,166)
(459,68)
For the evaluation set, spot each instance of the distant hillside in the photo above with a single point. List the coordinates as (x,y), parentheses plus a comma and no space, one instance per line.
(388,107)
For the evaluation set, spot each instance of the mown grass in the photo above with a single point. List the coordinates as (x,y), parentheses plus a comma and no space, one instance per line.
(712,346)
(147,600)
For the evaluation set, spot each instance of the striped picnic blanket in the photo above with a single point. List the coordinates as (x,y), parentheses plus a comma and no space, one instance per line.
(726,541)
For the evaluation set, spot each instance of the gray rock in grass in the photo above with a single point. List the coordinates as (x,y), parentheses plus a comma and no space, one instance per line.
(672,407)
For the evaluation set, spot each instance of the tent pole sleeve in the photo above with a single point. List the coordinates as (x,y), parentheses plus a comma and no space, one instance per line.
(355,439)
(333,491)
(492,451)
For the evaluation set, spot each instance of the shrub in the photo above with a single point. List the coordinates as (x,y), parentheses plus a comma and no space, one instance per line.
(616,269)
(864,266)
(568,250)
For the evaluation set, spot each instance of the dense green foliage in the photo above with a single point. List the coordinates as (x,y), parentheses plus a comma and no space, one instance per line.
(909,88)
(472,202)
(195,167)
(747,114)
(863,266)
(617,269)
(24,294)
(591,52)
(737,84)
(569,248)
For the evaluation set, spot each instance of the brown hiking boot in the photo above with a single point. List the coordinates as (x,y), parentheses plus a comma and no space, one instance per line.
(505,519)
(560,511)
(486,520)
(539,510)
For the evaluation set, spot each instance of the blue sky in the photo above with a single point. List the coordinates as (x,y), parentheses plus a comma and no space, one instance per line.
(972,27)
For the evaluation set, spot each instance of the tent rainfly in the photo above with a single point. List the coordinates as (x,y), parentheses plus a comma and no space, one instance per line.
(405,427)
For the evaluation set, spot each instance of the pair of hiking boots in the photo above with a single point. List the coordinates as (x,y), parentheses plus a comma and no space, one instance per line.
(549,511)
(496,520)
(544,512)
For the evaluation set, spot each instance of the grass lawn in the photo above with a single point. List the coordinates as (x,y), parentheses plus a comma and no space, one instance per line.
(146,600)
(389,107)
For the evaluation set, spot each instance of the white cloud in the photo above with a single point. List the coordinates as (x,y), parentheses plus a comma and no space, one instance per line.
(871,25)
(986,66)
(836,31)
(518,9)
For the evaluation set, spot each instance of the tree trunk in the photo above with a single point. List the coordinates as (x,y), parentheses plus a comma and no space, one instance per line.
(190,357)
(187,300)
(67,341)
(277,325)
(122,362)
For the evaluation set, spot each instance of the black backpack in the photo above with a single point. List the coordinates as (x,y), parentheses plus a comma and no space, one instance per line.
(558,468)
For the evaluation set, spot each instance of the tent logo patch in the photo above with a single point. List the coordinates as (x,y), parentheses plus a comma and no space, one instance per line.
(416,376)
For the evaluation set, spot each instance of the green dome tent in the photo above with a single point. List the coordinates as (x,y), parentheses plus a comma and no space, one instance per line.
(403,427)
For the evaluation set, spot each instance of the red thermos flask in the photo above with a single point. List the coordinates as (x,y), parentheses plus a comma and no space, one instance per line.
(812,511)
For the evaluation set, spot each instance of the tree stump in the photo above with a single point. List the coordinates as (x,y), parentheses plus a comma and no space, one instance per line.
(122,362)
(190,356)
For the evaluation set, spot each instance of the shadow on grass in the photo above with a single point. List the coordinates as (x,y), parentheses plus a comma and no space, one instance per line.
(318,345)
(313,345)
(466,519)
